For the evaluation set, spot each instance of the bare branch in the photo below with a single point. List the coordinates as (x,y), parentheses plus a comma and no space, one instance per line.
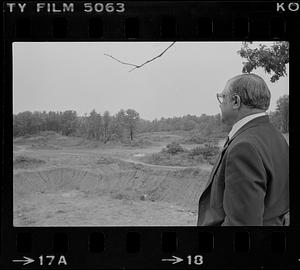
(148,61)
(120,61)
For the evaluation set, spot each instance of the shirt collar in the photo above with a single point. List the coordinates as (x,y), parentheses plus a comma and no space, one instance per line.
(242,122)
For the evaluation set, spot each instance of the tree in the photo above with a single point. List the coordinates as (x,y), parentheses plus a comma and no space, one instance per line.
(272,59)
(283,110)
(37,122)
(83,124)
(121,123)
(275,119)
(106,124)
(132,118)
(68,122)
(23,123)
(53,121)
(94,125)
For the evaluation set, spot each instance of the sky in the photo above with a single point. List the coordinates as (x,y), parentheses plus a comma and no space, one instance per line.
(60,76)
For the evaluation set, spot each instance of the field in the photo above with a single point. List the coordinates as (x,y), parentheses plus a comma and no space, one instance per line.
(71,181)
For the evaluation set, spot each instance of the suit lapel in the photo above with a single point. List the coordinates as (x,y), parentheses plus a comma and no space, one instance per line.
(252,123)
(217,165)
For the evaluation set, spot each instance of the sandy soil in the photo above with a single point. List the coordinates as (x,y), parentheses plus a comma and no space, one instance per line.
(78,208)
(65,183)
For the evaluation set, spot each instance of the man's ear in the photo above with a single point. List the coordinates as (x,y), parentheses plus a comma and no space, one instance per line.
(236,102)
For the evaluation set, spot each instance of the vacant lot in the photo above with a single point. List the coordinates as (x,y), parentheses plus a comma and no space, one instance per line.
(69,181)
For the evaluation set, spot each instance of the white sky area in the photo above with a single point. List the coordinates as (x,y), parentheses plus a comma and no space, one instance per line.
(60,76)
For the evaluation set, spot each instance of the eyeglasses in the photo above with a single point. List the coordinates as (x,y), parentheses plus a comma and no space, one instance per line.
(220,98)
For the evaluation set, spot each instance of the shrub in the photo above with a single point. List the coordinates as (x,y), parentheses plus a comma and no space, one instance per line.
(197,139)
(173,148)
(26,162)
(210,152)
(196,151)
(157,158)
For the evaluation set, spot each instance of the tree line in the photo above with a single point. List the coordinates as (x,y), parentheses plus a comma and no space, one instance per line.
(68,123)
(104,127)
(125,124)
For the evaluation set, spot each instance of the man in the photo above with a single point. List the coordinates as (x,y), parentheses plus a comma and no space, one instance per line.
(249,184)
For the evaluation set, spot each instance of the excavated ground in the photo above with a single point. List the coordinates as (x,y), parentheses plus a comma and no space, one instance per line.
(142,196)
(62,181)
(75,186)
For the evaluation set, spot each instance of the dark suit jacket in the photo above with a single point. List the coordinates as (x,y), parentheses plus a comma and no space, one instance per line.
(249,184)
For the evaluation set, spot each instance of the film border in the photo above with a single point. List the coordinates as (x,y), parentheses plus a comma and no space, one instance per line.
(129,247)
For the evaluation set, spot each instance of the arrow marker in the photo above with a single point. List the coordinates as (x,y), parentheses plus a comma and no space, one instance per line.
(174,260)
(25,261)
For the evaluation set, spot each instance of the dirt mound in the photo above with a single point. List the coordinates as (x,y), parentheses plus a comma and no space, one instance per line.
(45,146)
(27,162)
(182,187)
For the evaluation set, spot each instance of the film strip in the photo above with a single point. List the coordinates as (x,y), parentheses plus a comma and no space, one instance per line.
(147,247)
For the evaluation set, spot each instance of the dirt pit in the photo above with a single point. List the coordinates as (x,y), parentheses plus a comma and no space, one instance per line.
(114,195)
